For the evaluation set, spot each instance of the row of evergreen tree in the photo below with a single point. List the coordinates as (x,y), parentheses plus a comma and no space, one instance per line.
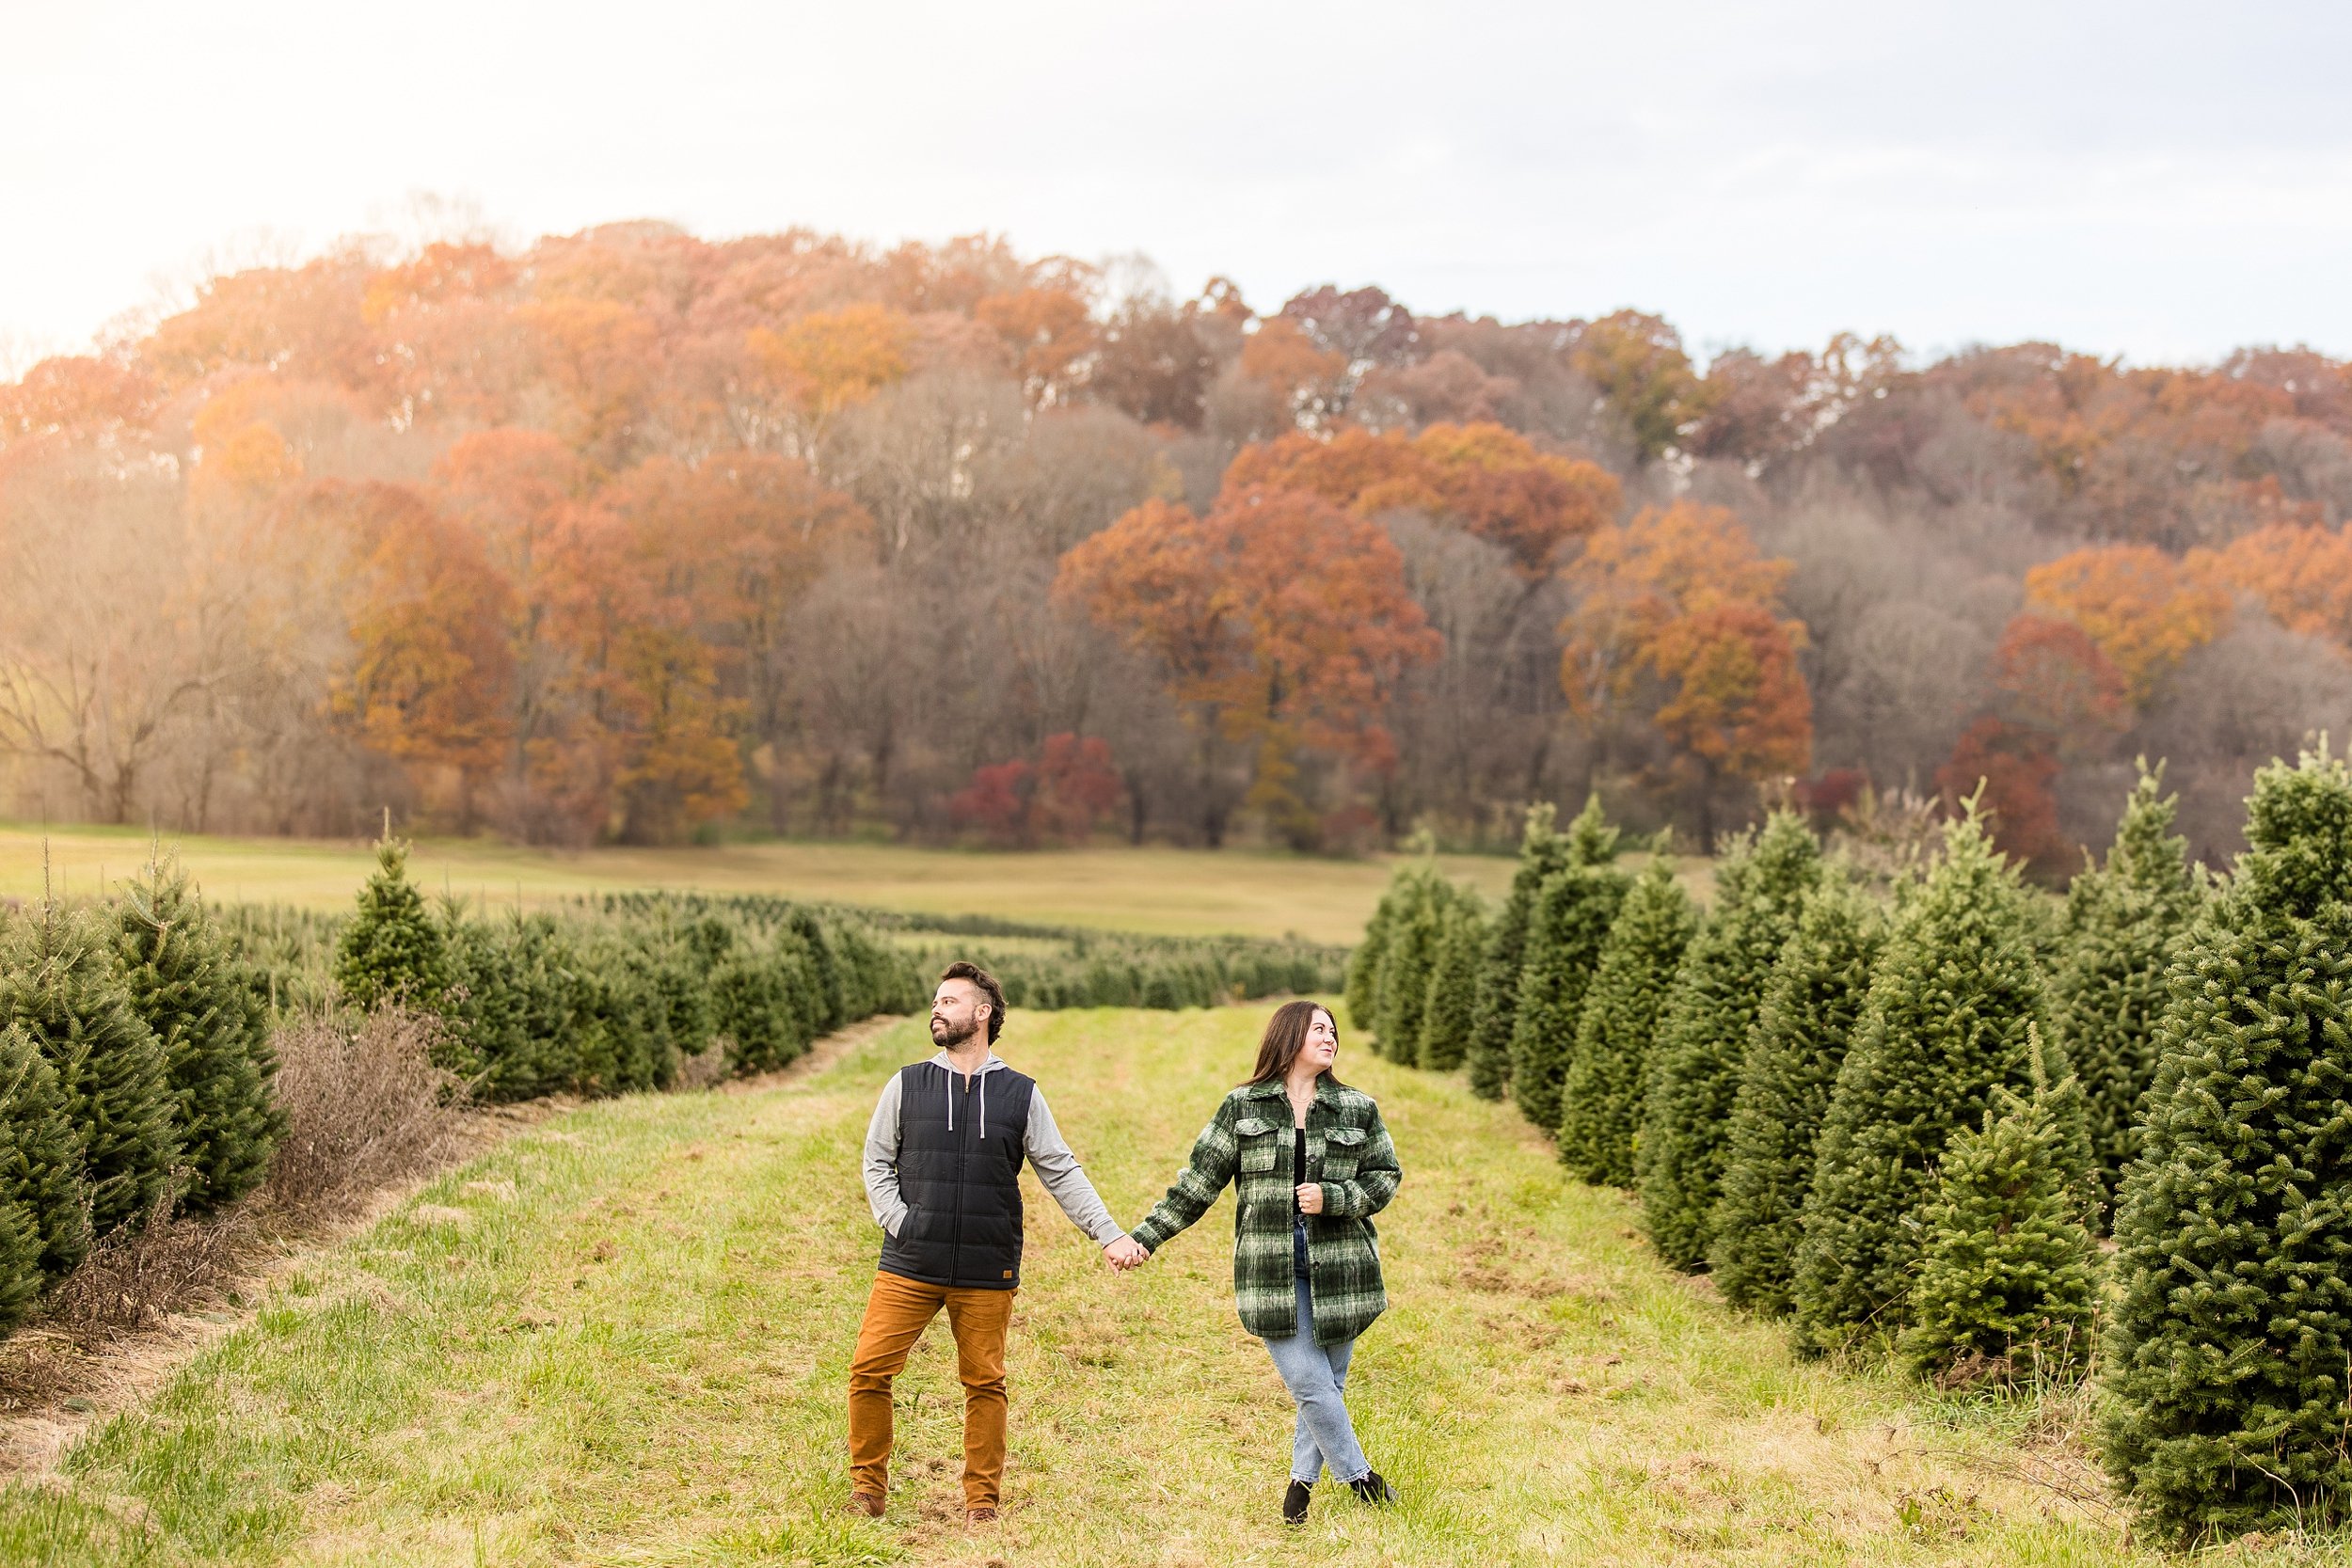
(593,999)
(1899,1120)
(136,1072)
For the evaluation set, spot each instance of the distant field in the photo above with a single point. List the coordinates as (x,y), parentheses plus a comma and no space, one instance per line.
(1163,891)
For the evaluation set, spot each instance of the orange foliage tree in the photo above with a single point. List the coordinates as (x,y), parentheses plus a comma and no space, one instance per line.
(2143,610)
(2300,575)
(1278,624)
(1681,599)
(430,663)
(1489,480)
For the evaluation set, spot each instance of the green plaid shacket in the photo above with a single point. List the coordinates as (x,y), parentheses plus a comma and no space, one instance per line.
(1248,1143)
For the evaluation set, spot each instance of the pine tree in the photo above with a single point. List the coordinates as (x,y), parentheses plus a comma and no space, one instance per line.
(1946,1021)
(2006,1281)
(1600,1100)
(1811,1004)
(1361,995)
(186,983)
(1703,1042)
(1409,957)
(1542,852)
(392,950)
(44,1224)
(1446,1013)
(2107,989)
(59,983)
(2232,1323)
(1574,911)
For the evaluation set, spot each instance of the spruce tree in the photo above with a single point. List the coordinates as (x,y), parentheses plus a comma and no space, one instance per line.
(59,983)
(186,984)
(1703,1042)
(44,1225)
(2121,923)
(1600,1100)
(1811,1004)
(1360,995)
(1946,1021)
(2230,1335)
(2006,1283)
(1447,1011)
(1409,957)
(392,950)
(1573,913)
(1542,852)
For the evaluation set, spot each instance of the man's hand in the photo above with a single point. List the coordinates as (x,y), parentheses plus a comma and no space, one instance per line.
(1311,1198)
(1126,1253)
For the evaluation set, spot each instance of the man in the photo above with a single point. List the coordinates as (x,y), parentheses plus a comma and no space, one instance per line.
(943,1168)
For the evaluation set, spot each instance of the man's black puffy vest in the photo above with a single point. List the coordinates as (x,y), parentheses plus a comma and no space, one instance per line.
(960,1177)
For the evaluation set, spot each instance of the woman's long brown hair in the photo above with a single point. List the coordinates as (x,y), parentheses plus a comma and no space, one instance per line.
(1285,1036)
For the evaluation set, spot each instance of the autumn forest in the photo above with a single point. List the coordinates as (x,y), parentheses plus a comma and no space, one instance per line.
(635,537)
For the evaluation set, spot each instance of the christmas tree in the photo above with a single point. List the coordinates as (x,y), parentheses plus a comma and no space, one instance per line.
(2006,1286)
(1362,993)
(1600,1101)
(1573,913)
(2229,1340)
(1802,1030)
(392,950)
(1447,1011)
(1948,1019)
(1407,958)
(1495,1012)
(44,1229)
(1703,1042)
(186,983)
(2121,923)
(59,983)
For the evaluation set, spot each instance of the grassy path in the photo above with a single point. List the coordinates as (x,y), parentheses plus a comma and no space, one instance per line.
(621,1338)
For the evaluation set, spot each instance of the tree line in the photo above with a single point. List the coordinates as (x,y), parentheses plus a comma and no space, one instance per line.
(1898,1111)
(628,535)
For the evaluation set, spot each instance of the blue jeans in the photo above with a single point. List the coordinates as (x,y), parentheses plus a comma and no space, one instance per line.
(1316,1376)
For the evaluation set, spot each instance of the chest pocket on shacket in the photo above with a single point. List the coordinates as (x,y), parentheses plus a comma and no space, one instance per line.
(1260,1166)
(1341,1148)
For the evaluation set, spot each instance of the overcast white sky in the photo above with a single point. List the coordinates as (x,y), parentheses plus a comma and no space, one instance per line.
(2157,180)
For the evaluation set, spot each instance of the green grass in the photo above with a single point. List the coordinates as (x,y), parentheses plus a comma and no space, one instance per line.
(623,1338)
(1168,892)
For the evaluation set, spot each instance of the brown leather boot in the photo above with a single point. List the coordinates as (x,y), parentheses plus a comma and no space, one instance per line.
(984,1514)
(863,1505)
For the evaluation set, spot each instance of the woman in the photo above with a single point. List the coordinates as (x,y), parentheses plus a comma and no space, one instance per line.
(1310,1163)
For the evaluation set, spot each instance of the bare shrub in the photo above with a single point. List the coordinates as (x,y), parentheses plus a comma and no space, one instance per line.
(706,1069)
(140,1273)
(364,1105)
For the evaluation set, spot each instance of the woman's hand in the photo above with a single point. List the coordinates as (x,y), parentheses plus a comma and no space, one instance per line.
(1311,1198)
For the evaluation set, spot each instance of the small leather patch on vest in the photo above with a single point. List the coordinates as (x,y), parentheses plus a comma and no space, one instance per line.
(1007,1273)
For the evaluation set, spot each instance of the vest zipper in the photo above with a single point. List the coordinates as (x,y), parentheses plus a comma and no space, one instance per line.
(964,1140)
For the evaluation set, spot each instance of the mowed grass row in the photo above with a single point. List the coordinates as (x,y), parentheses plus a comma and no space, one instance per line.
(1156,891)
(623,1338)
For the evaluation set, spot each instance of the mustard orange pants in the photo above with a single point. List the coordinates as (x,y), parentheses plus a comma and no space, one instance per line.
(897,1312)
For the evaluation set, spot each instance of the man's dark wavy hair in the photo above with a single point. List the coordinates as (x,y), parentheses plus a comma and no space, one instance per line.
(989,988)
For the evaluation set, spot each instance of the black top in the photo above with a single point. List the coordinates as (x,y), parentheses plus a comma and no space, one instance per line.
(1298,1165)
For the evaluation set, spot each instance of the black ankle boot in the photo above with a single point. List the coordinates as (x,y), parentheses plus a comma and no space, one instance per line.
(1373,1489)
(1295,1502)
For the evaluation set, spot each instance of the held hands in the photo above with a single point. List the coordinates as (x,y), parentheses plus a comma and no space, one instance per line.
(1311,1198)
(1126,1253)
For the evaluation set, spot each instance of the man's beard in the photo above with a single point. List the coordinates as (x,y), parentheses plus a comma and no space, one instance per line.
(945,1035)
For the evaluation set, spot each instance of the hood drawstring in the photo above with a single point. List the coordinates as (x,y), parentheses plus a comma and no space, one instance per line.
(970,1079)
